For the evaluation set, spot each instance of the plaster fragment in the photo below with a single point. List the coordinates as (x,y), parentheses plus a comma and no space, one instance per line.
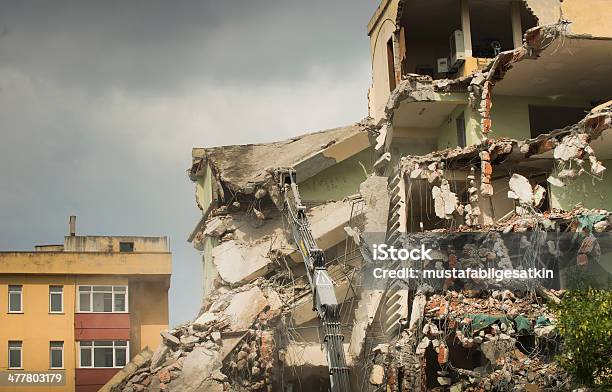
(445,201)
(520,189)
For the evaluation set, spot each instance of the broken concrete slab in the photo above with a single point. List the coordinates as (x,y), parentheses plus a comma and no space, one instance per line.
(217,226)
(240,263)
(169,339)
(327,222)
(243,168)
(197,371)
(244,308)
(205,319)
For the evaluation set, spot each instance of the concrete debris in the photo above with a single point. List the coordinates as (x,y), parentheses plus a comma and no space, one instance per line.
(224,346)
(238,263)
(538,195)
(445,201)
(520,189)
(244,307)
(257,322)
(377,375)
(218,226)
(491,324)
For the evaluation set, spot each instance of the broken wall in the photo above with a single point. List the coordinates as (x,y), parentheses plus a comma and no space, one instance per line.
(338,181)
(448,130)
(510,115)
(204,189)
(380,29)
(411,141)
(585,189)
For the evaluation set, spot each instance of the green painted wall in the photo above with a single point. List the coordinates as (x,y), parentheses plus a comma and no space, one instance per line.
(448,130)
(204,189)
(340,180)
(591,192)
(510,115)
(204,194)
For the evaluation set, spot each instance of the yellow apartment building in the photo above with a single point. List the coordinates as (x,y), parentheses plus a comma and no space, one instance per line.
(81,310)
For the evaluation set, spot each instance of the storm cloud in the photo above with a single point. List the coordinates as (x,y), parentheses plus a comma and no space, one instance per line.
(101,103)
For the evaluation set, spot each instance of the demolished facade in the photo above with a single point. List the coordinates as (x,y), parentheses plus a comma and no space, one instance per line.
(506,134)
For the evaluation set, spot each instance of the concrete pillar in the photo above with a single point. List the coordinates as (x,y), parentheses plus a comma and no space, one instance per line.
(465,27)
(517,28)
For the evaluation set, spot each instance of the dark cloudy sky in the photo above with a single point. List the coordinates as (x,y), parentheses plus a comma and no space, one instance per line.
(102,101)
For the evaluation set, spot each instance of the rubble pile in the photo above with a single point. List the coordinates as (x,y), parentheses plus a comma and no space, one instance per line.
(229,346)
(474,341)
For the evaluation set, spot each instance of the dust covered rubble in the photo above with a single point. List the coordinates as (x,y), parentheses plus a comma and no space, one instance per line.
(230,345)
(473,341)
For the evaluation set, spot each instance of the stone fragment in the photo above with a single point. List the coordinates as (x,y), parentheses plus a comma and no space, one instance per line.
(171,339)
(189,340)
(444,380)
(547,331)
(216,336)
(377,375)
(497,348)
(422,346)
(159,356)
(596,167)
(204,320)
(164,376)
(260,193)
(538,195)
(601,226)
(198,368)
(218,226)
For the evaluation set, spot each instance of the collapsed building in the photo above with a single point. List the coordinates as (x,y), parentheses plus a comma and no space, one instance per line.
(505,132)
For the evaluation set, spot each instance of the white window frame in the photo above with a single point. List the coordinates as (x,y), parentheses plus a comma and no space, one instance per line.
(15,349)
(51,349)
(92,354)
(112,292)
(61,294)
(13,292)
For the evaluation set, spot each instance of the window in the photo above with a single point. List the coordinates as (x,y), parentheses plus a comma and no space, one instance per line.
(126,247)
(56,299)
(56,355)
(461,140)
(103,353)
(15,299)
(103,299)
(14,354)
(391,64)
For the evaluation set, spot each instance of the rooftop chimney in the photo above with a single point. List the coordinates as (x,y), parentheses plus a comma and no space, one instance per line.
(72,225)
